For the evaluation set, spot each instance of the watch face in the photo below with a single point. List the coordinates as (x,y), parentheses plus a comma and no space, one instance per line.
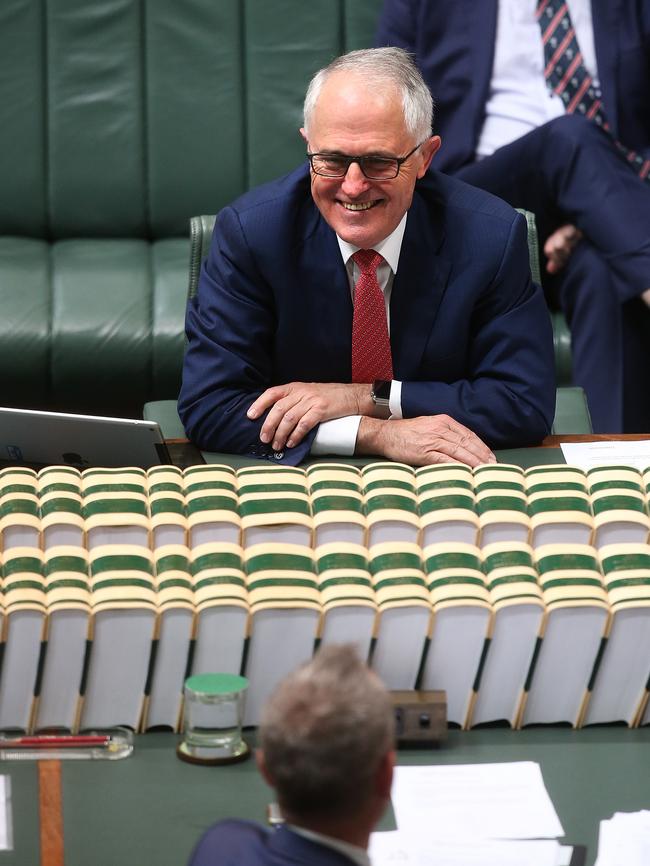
(381,390)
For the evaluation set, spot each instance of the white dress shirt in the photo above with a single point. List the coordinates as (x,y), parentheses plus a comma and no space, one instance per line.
(519,99)
(339,436)
(357,855)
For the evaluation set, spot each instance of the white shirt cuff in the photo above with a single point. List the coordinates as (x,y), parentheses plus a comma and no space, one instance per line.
(395,399)
(338,436)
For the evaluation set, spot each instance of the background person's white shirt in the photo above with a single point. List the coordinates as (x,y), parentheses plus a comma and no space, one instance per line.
(519,99)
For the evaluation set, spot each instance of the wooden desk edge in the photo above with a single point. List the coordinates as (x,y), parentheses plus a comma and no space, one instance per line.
(183,453)
(556,441)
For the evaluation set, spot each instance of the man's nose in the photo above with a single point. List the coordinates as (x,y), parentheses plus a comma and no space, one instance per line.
(355,181)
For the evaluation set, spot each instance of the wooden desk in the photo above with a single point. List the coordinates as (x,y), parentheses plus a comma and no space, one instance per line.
(151,808)
(555,441)
(183,453)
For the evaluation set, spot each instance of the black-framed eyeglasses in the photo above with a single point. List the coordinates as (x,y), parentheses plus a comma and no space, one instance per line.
(373,167)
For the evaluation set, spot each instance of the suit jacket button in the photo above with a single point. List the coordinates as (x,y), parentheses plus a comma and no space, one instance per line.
(278,455)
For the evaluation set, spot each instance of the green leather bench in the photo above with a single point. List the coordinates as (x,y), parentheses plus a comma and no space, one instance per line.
(120,120)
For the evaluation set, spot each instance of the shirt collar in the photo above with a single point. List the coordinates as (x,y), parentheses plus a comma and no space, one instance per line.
(389,248)
(357,855)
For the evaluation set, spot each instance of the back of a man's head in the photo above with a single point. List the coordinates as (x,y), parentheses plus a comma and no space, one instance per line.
(324,733)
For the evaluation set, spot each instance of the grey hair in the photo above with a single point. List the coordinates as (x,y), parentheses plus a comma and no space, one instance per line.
(381,66)
(324,732)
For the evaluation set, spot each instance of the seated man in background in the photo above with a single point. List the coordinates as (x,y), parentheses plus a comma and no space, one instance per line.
(545,104)
(326,747)
(362,286)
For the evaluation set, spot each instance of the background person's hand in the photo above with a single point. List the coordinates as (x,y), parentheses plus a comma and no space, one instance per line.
(422,441)
(295,408)
(559,246)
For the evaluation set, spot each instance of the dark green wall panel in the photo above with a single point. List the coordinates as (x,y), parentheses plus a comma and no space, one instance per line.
(125,117)
(22,118)
(195,109)
(360,23)
(96,118)
(286,42)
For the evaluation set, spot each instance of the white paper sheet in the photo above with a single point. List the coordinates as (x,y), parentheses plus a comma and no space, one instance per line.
(5,814)
(564,857)
(402,849)
(624,840)
(585,455)
(469,801)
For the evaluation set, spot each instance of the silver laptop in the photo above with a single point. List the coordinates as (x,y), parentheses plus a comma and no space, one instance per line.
(57,438)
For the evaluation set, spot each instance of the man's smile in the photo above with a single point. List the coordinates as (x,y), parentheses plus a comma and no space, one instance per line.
(361,205)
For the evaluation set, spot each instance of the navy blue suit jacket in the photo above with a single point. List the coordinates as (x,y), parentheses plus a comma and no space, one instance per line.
(244,843)
(453,43)
(469,331)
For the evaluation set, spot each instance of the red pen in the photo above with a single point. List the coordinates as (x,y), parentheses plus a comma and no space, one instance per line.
(109,745)
(57,741)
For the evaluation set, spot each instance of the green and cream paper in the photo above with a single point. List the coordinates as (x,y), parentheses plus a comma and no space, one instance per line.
(478,581)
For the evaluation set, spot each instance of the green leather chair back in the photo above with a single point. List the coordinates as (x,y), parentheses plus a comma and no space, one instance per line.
(561,335)
(201,228)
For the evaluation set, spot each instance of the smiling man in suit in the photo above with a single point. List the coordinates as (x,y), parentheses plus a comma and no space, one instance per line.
(363,304)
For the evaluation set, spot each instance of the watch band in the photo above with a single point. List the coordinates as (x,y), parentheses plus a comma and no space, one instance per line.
(380,395)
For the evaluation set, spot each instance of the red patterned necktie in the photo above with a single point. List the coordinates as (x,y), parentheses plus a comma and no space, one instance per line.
(567,76)
(371,356)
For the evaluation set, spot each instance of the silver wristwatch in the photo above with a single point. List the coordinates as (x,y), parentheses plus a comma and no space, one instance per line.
(380,394)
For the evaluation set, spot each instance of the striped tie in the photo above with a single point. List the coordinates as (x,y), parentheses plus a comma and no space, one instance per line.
(371,355)
(567,76)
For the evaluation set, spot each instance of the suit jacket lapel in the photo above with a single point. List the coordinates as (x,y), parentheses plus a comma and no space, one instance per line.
(481,22)
(330,300)
(606,17)
(418,288)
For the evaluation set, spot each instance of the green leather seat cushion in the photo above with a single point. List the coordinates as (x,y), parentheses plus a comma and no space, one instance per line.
(91,324)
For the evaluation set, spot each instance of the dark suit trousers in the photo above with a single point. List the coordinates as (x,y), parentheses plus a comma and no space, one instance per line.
(568,171)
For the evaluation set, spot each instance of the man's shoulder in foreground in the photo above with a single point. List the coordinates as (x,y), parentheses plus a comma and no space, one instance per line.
(245,843)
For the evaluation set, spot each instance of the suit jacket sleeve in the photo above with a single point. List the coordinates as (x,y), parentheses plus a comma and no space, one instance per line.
(492,368)
(230,326)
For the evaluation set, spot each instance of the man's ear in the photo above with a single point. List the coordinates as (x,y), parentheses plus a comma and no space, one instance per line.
(384,777)
(261,766)
(429,149)
(303,133)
